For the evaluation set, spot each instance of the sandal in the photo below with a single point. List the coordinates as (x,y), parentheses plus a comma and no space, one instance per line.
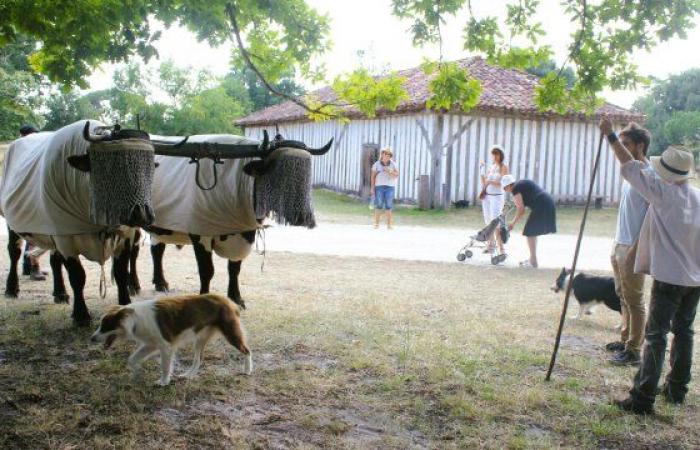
(526,264)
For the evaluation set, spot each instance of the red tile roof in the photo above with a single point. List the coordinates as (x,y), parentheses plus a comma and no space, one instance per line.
(504,91)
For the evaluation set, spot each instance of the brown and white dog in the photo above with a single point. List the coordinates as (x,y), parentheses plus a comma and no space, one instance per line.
(165,324)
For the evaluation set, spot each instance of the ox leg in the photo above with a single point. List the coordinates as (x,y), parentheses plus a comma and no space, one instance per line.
(120,267)
(59,288)
(15,251)
(76,276)
(134,283)
(159,281)
(205,264)
(234,292)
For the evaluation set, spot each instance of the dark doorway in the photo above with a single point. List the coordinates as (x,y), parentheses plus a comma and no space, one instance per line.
(370,155)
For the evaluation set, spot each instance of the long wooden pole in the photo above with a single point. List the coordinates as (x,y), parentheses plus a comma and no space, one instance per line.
(562,318)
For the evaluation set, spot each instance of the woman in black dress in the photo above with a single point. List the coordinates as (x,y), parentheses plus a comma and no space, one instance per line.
(542,219)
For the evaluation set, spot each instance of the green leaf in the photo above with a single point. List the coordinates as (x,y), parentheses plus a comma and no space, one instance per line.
(369,94)
(451,87)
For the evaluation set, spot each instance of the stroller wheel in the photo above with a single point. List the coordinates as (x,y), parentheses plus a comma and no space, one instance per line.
(469,253)
(461,257)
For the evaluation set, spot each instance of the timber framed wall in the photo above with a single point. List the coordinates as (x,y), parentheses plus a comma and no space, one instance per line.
(556,153)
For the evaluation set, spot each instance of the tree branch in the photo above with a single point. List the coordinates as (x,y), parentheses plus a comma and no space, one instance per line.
(579,39)
(423,131)
(465,126)
(231,11)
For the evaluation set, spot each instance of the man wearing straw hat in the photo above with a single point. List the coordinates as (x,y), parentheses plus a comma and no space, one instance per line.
(669,251)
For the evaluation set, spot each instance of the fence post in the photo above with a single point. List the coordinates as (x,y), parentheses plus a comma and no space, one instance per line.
(424,192)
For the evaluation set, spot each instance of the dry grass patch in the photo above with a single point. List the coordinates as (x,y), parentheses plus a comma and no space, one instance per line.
(349,353)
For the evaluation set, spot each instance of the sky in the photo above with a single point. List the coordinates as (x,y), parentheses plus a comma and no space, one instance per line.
(369,26)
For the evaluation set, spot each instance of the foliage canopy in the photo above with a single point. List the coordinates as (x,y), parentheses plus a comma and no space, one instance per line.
(285,38)
(672,108)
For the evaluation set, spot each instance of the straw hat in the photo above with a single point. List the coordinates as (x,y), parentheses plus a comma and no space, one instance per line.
(674,164)
(388,151)
(507,180)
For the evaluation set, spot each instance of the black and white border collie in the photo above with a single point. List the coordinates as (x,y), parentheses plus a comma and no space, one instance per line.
(590,291)
(163,325)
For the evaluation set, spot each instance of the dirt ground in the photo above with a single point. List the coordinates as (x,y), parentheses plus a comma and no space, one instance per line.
(349,352)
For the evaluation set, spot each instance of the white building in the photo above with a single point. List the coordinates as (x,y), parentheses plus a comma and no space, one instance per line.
(556,151)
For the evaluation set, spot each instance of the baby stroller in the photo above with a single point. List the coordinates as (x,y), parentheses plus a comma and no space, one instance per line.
(481,238)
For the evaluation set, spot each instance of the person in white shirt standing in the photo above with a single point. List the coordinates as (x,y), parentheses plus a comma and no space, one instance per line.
(628,284)
(492,196)
(668,250)
(382,187)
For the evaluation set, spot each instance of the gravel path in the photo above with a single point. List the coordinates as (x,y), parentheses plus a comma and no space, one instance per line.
(426,244)
(432,244)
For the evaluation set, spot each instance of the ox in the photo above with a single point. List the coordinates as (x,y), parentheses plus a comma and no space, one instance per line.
(224,218)
(75,192)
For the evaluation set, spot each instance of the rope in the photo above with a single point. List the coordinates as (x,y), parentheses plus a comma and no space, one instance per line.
(103,282)
(562,318)
(260,236)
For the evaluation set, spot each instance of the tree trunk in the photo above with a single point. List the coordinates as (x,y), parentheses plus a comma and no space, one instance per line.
(436,163)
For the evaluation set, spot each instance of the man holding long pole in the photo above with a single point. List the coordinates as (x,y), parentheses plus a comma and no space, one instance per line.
(630,285)
(669,251)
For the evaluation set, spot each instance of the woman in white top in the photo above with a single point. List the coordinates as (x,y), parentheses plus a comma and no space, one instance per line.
(492,195)
(385,172)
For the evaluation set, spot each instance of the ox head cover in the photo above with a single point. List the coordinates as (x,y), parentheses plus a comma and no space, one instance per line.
(121,175)
(283,187)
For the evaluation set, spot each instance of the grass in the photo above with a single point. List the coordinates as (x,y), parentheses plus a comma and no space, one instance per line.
(337,208)
(429,355)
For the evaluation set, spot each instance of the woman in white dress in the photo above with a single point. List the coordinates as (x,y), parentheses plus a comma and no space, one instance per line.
(492,195)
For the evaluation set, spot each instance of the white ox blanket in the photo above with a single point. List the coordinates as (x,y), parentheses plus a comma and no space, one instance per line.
(40,192)
(180,205)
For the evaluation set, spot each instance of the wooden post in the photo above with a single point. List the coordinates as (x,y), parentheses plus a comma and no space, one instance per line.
(424,192)
(369,156)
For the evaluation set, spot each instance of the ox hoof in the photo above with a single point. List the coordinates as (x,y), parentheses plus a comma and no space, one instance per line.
(10,294)
(239,302)
(82,320)
(162,287)
(134,289)
(60,299)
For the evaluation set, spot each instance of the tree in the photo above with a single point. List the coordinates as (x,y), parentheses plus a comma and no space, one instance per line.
(208,112)
(242,82)
(683,128)
(665,106)
(547,67)
(20,95)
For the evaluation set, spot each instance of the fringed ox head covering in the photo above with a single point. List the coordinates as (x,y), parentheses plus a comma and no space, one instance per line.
(121,175)
(284,188)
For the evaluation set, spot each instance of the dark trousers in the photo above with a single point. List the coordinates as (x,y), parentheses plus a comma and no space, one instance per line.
(672,308)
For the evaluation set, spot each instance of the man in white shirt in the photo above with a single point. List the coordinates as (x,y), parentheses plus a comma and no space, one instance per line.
(669,251)
(628,284)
